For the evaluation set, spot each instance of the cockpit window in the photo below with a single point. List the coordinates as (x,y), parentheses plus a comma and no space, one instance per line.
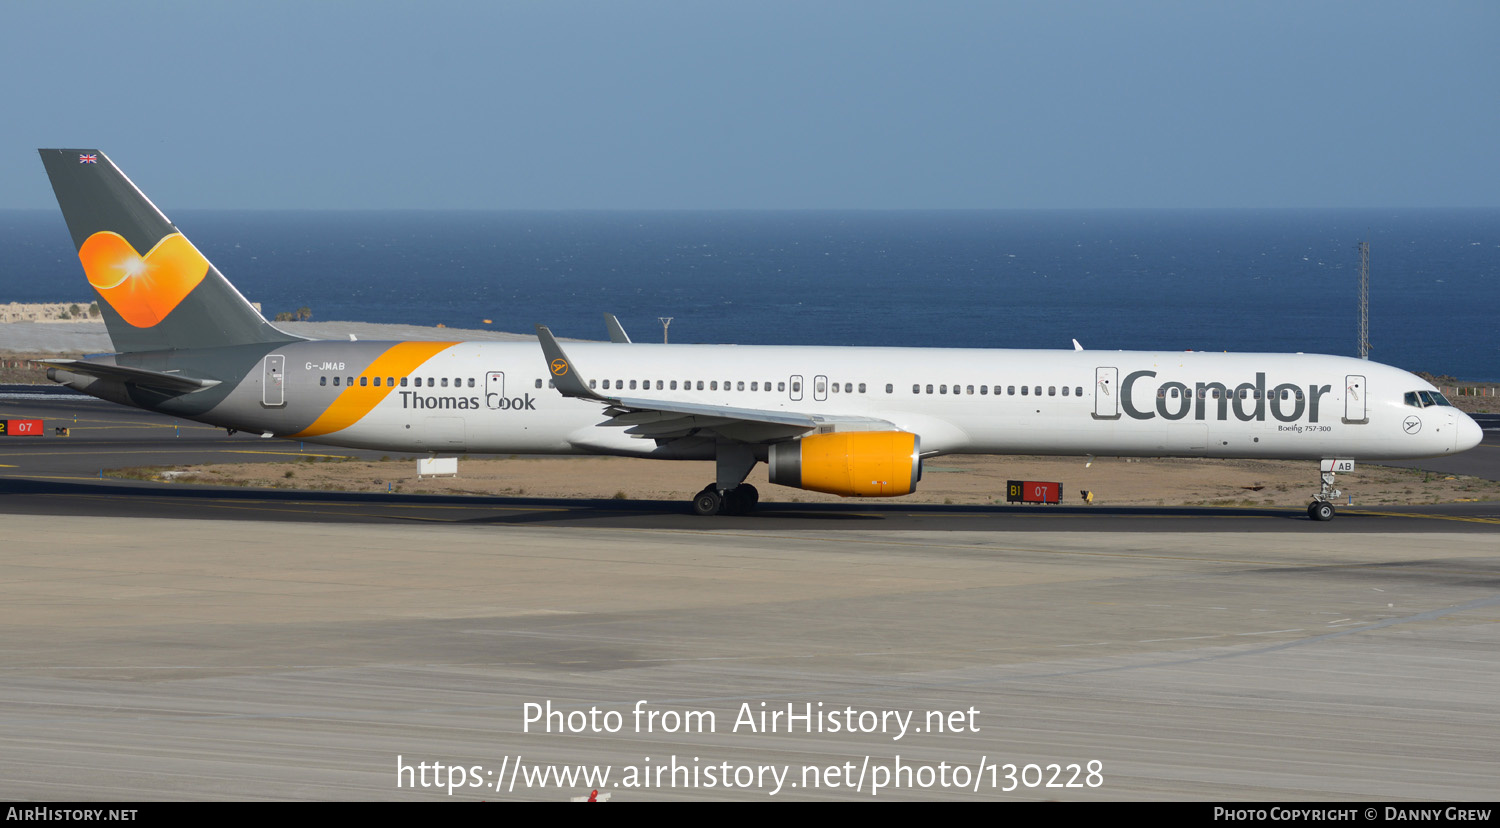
(1423,399)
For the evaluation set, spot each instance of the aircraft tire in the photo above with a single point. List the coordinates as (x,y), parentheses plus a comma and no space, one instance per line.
(1320,510)
(708,502)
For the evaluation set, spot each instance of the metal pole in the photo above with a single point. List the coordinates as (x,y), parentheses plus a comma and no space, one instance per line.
(1364,300)
(665,321)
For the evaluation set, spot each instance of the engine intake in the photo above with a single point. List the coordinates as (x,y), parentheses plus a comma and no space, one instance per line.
(850,463)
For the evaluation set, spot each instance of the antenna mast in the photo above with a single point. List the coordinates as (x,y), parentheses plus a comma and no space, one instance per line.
(1364,300)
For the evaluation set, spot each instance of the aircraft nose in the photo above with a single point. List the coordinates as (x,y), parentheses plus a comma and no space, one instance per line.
(1468,434)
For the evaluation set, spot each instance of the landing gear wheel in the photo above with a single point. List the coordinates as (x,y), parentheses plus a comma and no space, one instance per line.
(708,502)
(1320,510)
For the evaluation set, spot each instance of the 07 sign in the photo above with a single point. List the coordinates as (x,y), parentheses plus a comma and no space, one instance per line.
(20,428)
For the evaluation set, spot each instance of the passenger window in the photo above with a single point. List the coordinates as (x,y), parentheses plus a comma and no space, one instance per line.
(968,389)
(780,386)
(471,382)
(740,386)
(890,389)
(916,389)
(673,385)
(942,389)
(1051,390)
(700,385)
(551,384)
(363,381)
(1038,390)
(834,387)
(713,385)
(632,385)
(1011,390)
(403,382)
(1065,390)
(322,380)
(377,382)
(755,386)
(796,388)
(335,382)
(1024,390)
(593,384)
(349,381)
(861,388)
(984,390)
(929,388)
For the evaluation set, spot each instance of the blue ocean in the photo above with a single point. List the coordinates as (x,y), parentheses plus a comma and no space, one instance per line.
(1215,280)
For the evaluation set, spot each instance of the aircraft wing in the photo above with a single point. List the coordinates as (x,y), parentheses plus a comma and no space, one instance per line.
(174,383)
(670,419)
(616,330)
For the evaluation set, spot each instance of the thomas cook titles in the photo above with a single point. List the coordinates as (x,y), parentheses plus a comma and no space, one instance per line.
(411,399)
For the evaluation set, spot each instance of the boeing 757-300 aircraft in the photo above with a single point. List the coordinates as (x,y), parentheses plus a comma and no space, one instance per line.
(850,421)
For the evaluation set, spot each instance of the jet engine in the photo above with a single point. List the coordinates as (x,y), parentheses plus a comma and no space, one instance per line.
(850,463)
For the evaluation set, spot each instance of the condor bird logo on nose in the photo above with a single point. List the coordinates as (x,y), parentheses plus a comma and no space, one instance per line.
(559,366)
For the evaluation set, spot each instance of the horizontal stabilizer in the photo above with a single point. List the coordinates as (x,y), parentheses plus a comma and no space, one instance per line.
(176,383)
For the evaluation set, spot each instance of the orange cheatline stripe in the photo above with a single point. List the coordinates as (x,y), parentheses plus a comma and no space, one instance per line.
(358,400)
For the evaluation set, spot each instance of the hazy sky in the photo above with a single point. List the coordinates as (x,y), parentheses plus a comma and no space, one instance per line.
(763,104)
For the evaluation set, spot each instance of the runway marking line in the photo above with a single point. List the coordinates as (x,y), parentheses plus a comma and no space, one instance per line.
(1459,518)
(306,507)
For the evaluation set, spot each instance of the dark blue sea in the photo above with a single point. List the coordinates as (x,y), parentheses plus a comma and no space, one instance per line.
(1217,280)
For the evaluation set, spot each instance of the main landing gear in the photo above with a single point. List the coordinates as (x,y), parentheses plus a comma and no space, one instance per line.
(729,494)
(1321,508)
(739,500)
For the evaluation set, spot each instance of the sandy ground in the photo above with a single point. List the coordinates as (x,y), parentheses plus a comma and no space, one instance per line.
(956,480)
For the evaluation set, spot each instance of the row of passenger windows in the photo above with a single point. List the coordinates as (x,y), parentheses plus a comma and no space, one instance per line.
(1008,390)
(419,382)
(832,387)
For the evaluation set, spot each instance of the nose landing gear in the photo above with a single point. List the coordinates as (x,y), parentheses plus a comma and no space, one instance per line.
(1321,507)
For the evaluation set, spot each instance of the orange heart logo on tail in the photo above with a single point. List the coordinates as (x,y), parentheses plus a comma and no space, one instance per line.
(142,289)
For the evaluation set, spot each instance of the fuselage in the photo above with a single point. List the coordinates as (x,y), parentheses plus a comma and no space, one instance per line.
(495,397)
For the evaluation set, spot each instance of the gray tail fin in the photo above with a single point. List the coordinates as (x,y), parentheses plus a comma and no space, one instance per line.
(156,291)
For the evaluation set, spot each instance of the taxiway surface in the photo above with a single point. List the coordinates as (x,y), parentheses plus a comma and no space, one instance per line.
(163,642)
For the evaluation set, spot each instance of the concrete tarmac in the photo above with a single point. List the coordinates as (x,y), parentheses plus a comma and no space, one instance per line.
(171,643)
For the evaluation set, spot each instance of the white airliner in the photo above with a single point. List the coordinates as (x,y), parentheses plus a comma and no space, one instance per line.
(850,421)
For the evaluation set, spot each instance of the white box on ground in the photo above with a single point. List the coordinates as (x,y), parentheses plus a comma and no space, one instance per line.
(437,466)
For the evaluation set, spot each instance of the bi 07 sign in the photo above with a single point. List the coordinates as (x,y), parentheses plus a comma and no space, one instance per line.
(1033,491)
(20,428)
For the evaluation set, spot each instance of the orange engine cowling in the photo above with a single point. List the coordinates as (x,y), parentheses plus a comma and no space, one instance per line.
(850,463)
